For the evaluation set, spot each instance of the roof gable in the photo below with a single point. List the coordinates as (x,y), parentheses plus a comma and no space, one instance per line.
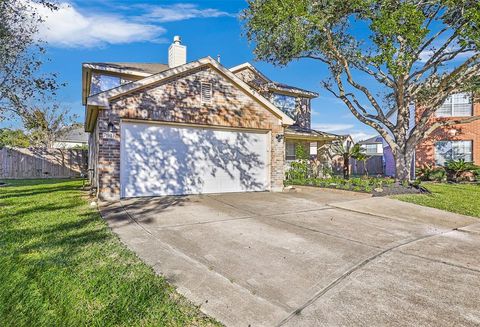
(103,99)
(271,85)
(252,69)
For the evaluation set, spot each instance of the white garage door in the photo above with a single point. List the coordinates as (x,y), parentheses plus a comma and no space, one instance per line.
(173,160)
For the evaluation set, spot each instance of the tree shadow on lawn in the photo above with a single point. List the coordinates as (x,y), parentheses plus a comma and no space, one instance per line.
(68,268)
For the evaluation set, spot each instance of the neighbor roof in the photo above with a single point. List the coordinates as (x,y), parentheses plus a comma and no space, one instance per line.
(375,139)
(75,135)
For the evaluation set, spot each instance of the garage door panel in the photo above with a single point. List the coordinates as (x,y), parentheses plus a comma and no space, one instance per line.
(173,160)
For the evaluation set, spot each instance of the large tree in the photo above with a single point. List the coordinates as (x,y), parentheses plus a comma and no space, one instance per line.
(382,56)
(22,83)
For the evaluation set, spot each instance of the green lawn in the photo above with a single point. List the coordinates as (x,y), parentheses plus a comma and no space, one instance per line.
(60,265)
(459,198)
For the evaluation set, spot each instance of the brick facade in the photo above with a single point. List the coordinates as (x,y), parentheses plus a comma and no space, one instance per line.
(179,101)
(302,105)
(425,151)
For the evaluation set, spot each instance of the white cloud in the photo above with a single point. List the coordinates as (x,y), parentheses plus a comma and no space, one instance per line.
(332,127)
(71,27)
(180,11)
(68,27)
(427,54)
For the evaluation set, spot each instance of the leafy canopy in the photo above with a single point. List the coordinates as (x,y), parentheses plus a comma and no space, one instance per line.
(408,51)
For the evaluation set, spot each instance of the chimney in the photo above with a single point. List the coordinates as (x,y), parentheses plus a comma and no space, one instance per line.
(177,53)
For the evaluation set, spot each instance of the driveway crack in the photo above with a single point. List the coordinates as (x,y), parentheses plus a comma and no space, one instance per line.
(346,274)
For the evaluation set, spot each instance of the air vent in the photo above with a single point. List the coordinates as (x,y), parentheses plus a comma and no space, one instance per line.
(206,90)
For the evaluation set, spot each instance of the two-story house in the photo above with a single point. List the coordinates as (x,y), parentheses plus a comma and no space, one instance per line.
(191,127)
(461,141)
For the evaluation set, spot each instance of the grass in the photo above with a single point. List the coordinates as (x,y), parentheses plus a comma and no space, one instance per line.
(459,198)
(60,265)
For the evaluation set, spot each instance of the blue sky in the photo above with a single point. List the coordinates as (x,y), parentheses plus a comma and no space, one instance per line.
(141,31)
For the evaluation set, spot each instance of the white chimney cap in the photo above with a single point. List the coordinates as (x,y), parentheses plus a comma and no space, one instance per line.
(177,39)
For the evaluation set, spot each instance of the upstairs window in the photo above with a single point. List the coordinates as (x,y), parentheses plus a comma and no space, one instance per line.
(286,103)
(102,83)
(372,149)
(456,105)
(452,150)
(206,92)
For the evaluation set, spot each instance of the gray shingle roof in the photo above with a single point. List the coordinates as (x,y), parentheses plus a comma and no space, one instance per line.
(295,129)
(75,135)
(149,68)
(292,89)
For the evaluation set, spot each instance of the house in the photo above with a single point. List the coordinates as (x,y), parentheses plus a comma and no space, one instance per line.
(74,137)
(190,128)
(380,158)
(461,141)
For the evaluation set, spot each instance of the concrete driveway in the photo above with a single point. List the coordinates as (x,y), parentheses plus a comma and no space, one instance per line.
(309,258)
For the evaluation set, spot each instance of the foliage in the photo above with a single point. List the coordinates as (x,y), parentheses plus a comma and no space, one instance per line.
(22,82)
(301,167)
(13,138)
(347,151)
(455,168)
(415,51)
(459,198)
(47,125)
(355,184)
(429,173)
(62,266)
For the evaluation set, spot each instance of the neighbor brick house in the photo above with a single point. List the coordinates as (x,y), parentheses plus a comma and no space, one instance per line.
(189,128)
(461,141)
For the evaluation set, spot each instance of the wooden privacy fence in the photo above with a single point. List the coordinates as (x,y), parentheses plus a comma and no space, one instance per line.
(42,163)
(374,166)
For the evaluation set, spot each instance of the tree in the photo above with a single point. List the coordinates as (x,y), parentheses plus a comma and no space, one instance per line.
(47,124)
(411,51)
(22,84)
(347,151)
(13,138)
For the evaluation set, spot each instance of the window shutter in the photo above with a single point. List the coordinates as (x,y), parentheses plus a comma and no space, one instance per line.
(206,92)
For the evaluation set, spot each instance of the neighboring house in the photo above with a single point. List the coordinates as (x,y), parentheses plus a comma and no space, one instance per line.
(455,142)
(189,128)
(73,138)
(380,158)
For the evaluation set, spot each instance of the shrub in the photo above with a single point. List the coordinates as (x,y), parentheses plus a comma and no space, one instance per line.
(438,175)
(458,170)
(429,173)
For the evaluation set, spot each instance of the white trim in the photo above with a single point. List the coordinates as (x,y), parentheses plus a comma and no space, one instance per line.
(117,70)
(102,99)
(247,65)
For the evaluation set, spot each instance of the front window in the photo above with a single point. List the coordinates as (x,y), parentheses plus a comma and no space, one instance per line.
(313,148)
(290,151)
(456,105)
(285,103)
(452,150)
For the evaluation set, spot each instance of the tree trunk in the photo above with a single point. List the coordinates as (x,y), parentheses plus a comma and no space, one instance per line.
(403,165)
(346,166)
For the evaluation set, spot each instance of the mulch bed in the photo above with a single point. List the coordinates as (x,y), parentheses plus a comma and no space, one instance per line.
(397,189)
